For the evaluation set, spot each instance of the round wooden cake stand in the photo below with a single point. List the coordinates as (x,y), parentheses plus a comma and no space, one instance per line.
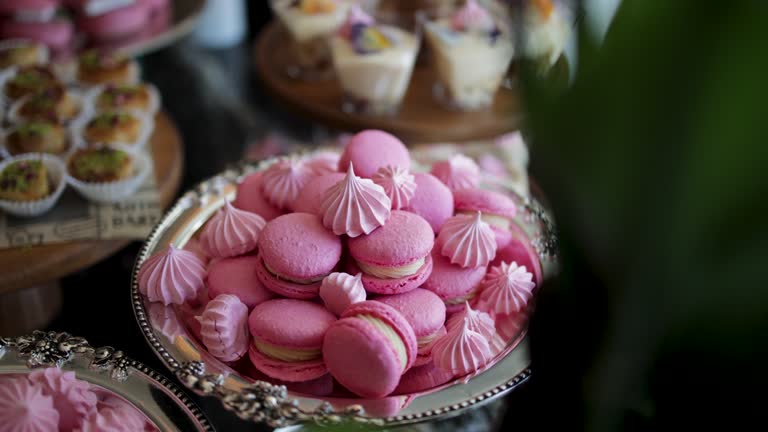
(420,118)
(30,295)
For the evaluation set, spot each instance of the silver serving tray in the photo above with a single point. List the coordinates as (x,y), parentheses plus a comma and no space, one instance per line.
(263,402)
(161,401)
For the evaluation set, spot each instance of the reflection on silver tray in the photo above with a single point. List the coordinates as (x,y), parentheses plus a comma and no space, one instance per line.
(160,401)
(260,401)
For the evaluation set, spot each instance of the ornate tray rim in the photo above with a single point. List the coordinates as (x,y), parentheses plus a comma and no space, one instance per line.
(53,349)
(272,404)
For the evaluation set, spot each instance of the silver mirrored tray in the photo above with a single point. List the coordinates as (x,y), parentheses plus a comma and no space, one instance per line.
(260,401)
(163,403)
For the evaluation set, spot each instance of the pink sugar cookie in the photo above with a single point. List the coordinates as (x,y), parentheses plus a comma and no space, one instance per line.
(433,200)
(372,149)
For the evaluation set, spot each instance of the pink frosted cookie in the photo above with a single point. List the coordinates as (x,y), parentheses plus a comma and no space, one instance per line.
(433,200)
(109,20)
(57,33)
(372,149)
(461,351)
(498,210)
(231,232)
(369,348)
(458,172)
(250,198)
(339,290)
(452,283)
(311,196)
(72,398)
(24,407)
(420,378)
(396,257)
(296,253)
(237,276)
(467,241)
(173,276)
(224,328)
(425,312)
(288,337)
(520,251)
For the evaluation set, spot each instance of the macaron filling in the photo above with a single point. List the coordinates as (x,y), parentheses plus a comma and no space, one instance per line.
(462,299)
(492,219)
(310,281)
(396,272)
(424,341)
(391,335)
(291,355)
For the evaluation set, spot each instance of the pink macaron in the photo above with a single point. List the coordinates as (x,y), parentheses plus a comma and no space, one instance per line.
(433,200)
(29,10)
(425,312)
(296,253)
(312,195)
(395,258)
(109,23)
(369,348)
(498,210)
(372,149)
(250,198)
(57,33)
(452,283)
(521,251)
(237,276)
(420,378)
(288,339)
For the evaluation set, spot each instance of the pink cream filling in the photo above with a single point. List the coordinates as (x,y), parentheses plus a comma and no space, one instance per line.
(397,272)
(294,280)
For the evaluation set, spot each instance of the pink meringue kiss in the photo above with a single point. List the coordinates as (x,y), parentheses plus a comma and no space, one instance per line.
(283,180)
(480,322)
(461,351)
(471,17)
(129,415)
(506,289)
(231,232)
(467,241)
(324,162)
(339,290)
(355,206)
(24,407)
(224,328)
(172,277)
(398,184)
(355,16)
(72,398)
(111,420)
(458,172)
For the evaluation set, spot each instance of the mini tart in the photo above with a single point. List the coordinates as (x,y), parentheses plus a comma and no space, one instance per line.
(135,97)
(96,67)
(37,137)
(100,165)
(22,54)
(113,127)
(24,180)
(30,80)
(54,104)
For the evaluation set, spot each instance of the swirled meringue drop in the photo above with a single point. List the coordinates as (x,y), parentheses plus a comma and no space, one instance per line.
(72,398)
(111,420)
(224,328)
(467,240)
(461,351)
(355,206)
(458,172)
(506,289)
(231,232)
(398,184)
(480,322)
(172,277)
(339,290)
(283,180)
(24,407)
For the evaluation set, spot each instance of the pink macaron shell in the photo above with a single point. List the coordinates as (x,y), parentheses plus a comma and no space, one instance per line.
(423,310)
(425,353)
(298,246)
(405,238)
(322,386)
(57,33)
(119,22)
(287,371)
(433,200)
(372,149)
(393,286)
(289,323)
(486,201)
(311,196)
(450,281)
(521,251)
(391,317)
(237,276)
(286,288)
(250,198)
(421,378)
(503,237)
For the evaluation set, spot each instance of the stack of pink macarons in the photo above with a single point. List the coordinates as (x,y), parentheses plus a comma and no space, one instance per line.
(349,273)
(54,400)
(55,22)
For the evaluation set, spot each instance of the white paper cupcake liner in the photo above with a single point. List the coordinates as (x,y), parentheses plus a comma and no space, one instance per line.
(147,127)
(13,116)
(43,55)
(92,94)
(118,190)
(57,176)
(5,152)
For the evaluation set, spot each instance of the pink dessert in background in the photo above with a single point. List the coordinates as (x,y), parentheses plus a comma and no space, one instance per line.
(433,200)
(251,198)
(371,150)
(311,197)
(355,206)
(172,277)
(231,232)
(467,241)
(72,398)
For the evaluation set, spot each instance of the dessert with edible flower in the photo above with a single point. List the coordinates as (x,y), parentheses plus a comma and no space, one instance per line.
(96,67)
(231,232)
(99,165)
(37,137)
(133,97)
(472,54)
(506,289)
(29,80)
(373,62)
(173,276)
(25,180)
(22,53)
(398,184)
(113,127)
(467,241)
(54,104)
(309,24)
(355,206)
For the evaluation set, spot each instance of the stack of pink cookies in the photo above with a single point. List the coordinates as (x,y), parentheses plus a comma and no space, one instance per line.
(351,273)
